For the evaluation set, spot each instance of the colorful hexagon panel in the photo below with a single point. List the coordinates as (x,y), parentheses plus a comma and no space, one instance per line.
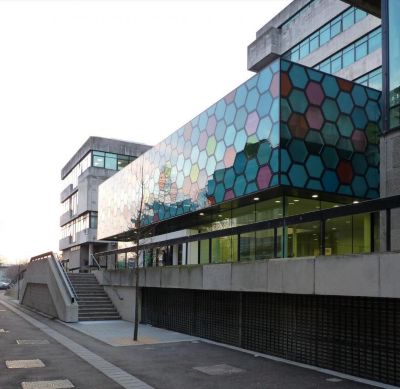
(229,150)
(326,128)
(287,125)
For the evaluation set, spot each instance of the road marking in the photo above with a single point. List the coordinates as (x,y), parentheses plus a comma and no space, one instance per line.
(3,331)
(24,364)
(55,384)
(33,341)
(113,372)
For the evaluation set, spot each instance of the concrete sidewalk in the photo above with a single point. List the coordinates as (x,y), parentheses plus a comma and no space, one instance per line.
(88,354)
(120,333)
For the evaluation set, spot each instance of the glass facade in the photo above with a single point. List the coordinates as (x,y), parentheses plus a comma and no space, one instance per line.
(97,159)
(352,53)
(372,79)
(288,126)
(336,26)
(394,61)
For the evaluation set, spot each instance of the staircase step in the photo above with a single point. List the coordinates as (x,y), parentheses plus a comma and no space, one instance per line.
(93,302)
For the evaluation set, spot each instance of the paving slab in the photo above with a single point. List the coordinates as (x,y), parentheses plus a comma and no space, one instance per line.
(120,333)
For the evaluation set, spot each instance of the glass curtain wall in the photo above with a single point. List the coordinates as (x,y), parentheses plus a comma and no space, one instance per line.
(394,61)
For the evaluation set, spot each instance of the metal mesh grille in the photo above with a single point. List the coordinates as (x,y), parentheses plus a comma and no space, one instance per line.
(354,335)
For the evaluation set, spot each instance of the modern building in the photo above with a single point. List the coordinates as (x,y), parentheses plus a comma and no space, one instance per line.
(96,160)
(278,196)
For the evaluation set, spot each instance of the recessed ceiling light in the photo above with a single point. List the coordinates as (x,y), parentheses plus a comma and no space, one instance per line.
(314,196)
(256,198)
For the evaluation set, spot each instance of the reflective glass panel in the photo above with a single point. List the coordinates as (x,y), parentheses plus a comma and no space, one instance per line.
(324,35)
(247,246)
(303,240)
(338,236)
(204,251)
(224,249)
(298,205)
(269,209)
(265,244)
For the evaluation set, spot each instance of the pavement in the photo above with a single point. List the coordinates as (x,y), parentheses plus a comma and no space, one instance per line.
(99,355)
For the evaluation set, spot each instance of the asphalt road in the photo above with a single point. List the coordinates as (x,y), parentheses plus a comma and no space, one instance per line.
(166,366)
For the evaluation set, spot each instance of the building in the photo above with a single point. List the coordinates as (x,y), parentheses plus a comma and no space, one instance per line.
(284,194)
(97,160)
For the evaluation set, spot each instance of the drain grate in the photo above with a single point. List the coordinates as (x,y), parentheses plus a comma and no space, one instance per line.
(55,384)
(222,369)
(24,363)
(33,341)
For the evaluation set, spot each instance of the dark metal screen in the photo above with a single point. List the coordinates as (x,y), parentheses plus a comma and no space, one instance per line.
(354,335)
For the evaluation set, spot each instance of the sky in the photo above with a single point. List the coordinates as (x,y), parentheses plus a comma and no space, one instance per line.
(131,70)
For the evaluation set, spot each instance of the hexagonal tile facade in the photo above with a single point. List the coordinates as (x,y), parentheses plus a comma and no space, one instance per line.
(325,128)
(287,125)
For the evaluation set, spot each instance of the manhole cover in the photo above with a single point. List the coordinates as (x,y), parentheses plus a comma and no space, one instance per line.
(33,341)
(333,379)
(56,384)
(24,363)
(221,369)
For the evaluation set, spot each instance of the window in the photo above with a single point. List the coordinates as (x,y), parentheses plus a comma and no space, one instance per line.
(354,52)
(111,161)
(372,79)
(325,34)
(348,18)
(375,41)
(98,159)
(348,56)
(361,48)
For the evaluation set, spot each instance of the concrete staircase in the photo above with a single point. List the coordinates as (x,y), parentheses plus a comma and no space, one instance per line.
(94,303)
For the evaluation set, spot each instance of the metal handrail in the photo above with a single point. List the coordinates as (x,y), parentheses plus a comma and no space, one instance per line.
(95,261)
(65,278)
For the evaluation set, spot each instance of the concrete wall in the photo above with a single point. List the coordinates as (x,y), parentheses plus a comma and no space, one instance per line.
(43,289)
(370,275)
(272,41)
(104,144)
(119,285)
(38,296)
(390,184)
(353,275)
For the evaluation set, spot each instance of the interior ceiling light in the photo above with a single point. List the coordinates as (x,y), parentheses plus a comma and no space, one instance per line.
(256,198)
(277,201)
(314,196)
(201,213)
(355,202)
(296,200)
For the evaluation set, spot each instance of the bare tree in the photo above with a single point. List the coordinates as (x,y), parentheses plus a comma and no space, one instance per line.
(138,232)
